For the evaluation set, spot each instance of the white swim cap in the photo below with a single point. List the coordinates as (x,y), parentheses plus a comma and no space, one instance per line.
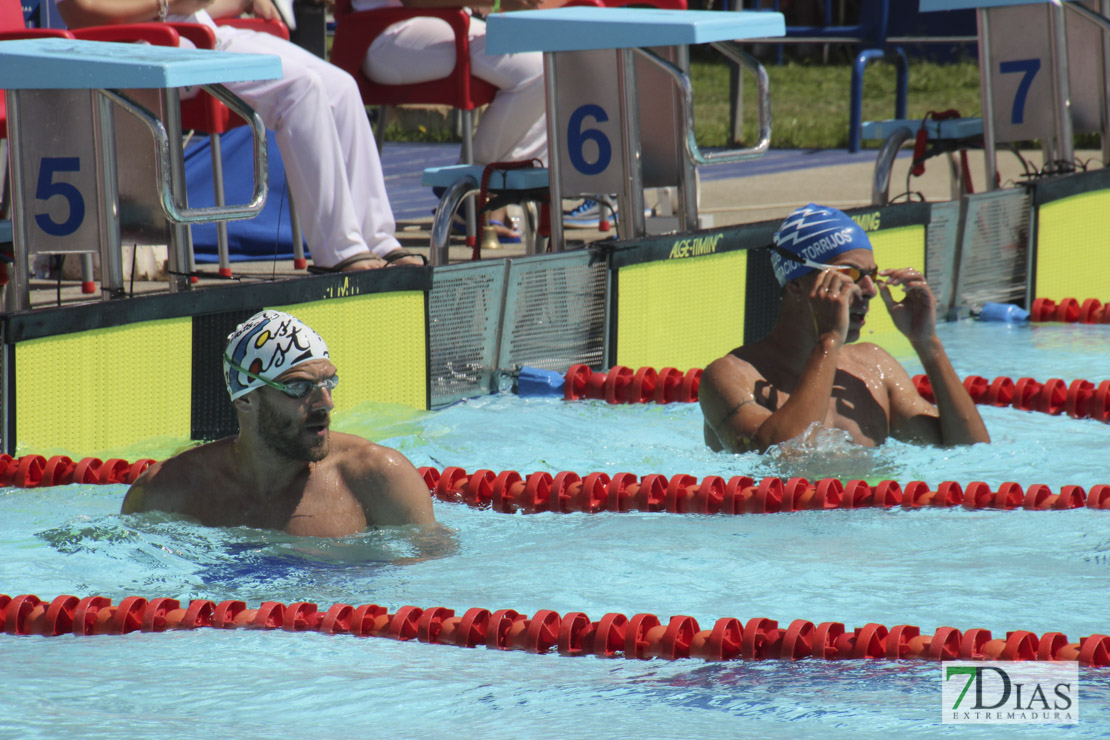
(268,344)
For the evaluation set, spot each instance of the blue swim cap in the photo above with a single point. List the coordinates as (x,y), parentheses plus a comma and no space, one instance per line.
(815,234)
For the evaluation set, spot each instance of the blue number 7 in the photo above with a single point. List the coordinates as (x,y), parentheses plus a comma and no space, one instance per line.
(1029,68)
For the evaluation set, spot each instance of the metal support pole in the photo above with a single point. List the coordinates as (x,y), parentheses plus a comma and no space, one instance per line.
(990,162)
(687,174)
(107,199)
(181,244)
(1065,137)
(554,144)
(631,198)
(17,295)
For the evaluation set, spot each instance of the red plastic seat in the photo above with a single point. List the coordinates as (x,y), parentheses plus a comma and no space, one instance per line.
(356,30)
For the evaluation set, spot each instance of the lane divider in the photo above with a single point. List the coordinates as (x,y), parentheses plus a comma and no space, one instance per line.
(1079,399)
(640,637)
(565,492)
(1070,310)
(623,385)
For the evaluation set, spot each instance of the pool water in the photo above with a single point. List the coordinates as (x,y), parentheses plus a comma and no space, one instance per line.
(1000,570)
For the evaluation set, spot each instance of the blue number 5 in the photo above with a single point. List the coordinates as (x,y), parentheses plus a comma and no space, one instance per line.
(1029,68)
(47,189)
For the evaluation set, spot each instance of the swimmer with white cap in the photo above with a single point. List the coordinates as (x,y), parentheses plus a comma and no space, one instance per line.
(810,372)
(286,469)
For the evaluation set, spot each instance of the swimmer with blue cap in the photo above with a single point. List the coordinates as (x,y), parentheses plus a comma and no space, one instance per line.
(811,372)
(285,469)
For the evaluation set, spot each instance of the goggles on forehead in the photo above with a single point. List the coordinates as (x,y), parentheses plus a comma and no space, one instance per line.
(855,273)
(291,388)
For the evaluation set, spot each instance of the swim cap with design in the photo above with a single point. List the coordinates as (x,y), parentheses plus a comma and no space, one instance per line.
(268,344)
(816,233)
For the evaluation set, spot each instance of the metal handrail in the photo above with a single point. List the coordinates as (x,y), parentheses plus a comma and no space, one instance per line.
(763,87)
(183,215)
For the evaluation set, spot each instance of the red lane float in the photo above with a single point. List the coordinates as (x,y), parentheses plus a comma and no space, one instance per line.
(33,471)
(623,385)
(1080,399)
(565,492)
(1070,310)
(640,637)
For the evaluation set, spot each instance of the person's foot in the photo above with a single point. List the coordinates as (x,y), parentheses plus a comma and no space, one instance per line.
(586,215)
(369,262)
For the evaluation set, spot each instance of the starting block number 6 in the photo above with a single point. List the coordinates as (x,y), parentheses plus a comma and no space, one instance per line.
(578,135)
(48,187)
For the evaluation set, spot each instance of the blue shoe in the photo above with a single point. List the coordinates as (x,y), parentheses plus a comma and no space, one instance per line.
(586,215)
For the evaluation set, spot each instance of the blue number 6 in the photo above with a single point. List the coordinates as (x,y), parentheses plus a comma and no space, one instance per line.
(47,189)
(577,136)
(1029,68)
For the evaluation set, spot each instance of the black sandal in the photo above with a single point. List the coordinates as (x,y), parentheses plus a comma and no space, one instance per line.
(364,257)
(400,254)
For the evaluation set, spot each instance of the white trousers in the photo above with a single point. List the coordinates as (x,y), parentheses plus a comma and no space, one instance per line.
(513,126)
(331,160)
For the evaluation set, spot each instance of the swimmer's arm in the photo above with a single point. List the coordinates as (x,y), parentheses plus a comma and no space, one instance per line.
(392,492)
(149,493)
(727,397)
(954,420)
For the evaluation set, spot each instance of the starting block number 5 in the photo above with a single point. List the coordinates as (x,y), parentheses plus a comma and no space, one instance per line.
(49,187)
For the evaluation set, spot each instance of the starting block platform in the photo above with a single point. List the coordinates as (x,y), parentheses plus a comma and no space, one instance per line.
(945,136)
(71,193)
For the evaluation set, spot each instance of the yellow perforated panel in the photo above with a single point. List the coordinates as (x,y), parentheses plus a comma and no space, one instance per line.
(681,313)
(1073,248)
(901,247)
(89,392)
(377,343)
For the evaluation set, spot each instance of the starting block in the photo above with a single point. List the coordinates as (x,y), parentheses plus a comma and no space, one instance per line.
(527,186)
(946,136)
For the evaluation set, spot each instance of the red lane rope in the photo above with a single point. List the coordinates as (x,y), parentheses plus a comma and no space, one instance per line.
(642,636)
(1070,310)
(1079,399)
(565,492)
(623,385)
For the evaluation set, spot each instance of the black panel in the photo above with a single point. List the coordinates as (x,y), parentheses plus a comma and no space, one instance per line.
(48,322)
(1065,186)
(761,295)
(212,414)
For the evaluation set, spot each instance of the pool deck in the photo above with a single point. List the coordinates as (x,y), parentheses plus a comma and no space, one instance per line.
(746,192)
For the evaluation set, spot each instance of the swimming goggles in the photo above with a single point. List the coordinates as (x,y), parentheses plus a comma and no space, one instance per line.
(293,388)
(855,273)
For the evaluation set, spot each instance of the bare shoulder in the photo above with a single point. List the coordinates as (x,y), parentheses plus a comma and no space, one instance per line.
(728,376)
(174,485)
(391,490)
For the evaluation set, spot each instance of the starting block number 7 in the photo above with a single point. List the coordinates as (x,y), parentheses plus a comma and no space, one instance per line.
(1028,68)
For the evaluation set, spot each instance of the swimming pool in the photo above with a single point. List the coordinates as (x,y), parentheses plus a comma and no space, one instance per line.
(999,570)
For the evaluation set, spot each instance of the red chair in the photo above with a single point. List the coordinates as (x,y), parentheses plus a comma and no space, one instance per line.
(356,30)
(207,115)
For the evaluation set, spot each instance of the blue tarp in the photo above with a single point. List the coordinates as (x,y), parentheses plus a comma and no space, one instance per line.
(267,236)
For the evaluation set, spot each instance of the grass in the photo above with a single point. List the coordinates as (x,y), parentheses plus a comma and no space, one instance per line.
(809,102)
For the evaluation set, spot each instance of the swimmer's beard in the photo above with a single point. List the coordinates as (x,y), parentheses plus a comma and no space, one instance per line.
(284,435)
